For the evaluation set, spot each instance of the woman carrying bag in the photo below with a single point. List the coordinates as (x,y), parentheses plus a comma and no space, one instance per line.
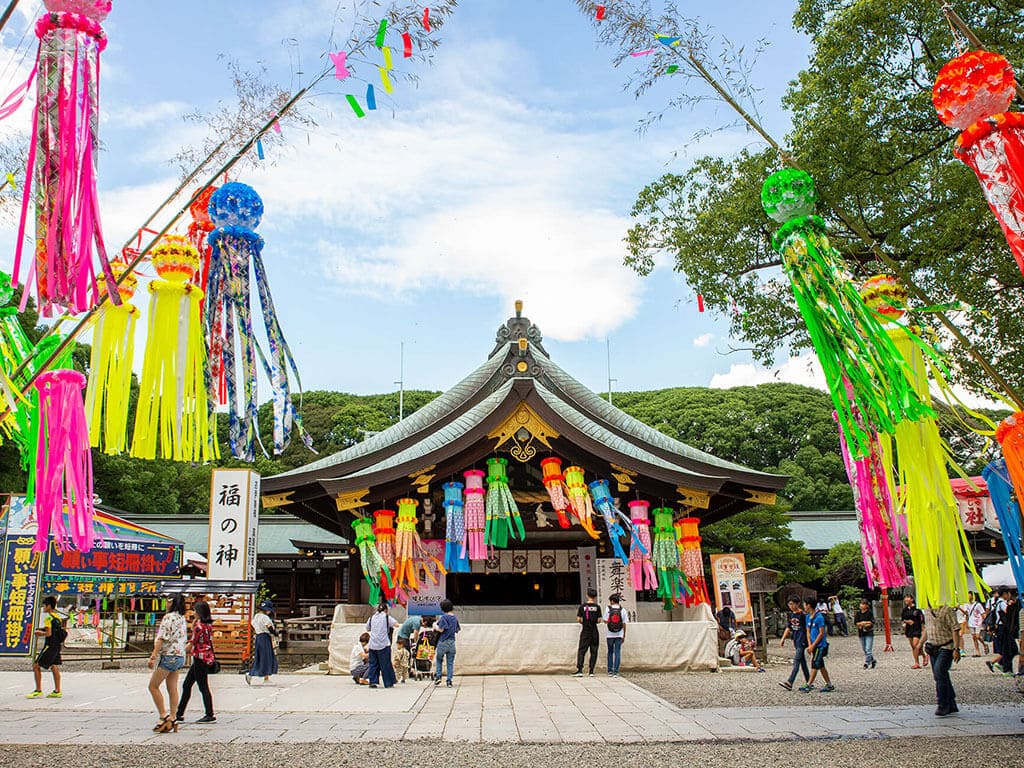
(264,660)
(204,663)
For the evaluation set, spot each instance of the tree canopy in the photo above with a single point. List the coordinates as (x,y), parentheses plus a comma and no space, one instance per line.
(864,127)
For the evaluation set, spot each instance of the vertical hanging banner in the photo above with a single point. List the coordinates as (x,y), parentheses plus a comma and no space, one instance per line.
(426,601)
(587,557)
(612,579)
(730,577)
(19,574)
(234,521)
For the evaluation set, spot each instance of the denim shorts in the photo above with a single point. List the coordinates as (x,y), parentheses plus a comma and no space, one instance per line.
(171,663)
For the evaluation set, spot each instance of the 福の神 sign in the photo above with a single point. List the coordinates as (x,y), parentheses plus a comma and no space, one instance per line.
(730,579)
(234,521)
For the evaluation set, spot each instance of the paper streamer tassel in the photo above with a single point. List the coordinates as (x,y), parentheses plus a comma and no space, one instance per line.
(700,303)
(371,97)
(600,13)
(386,81)
(354,103)
(406,45)
(259,149)
(426,19)
(381,31)
(387,58)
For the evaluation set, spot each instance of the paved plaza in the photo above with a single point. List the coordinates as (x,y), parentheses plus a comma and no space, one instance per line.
(114,708)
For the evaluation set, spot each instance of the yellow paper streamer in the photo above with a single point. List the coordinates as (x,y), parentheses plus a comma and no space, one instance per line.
(386,81)
(387,58)
(110,377)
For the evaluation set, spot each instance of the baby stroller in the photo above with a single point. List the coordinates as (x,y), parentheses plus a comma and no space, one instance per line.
(423,657)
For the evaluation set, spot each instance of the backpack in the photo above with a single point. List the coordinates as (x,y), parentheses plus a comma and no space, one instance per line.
(992,617)
(58,633)
(615,623)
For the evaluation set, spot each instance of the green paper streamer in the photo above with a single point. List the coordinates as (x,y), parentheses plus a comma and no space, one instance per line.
(352,102)
(381,31)
(671,68)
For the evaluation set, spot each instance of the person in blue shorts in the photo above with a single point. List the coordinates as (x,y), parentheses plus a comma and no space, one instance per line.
(817,646)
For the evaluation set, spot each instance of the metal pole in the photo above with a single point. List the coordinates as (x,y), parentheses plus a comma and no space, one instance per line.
(401,382)
(608,347)
(7,13)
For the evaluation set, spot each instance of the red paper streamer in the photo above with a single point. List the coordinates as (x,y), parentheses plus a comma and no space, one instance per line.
(600,12)
(407,44)
(700,303)
(426,19)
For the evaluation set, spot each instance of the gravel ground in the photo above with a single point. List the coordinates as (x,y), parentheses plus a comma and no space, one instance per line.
(892,682)
(990,751)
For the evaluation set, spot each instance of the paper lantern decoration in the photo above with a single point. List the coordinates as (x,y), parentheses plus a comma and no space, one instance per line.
(110,367)
(691,560)
(173,415)
(1000,490)
(972,93)
(64,463)
(384,531)
(554,482)
(235,210)
(665,557)
(475,513)
(373,565)
(853,348)
(503,518)
(198,230)
(456,553)
(410,556)
(616,523)
(884,295)
(579,500)
(641,567)
(60,174)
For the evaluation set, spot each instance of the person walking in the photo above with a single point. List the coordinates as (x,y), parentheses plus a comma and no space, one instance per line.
(840,615)
(864,620)
(166,661)
(817,646)
(615,621)
(943,648)
(264,660)
(588,616)
(51,627)
(1009,632)
(975,617)
(796,628)
(203,658)
(913,628)
(448,625)
(380,626)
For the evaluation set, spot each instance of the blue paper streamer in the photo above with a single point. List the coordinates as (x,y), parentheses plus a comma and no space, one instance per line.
(997,478)
(371,97)
(259,149)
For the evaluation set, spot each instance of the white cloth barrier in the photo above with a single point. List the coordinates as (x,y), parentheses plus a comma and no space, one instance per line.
(508,649)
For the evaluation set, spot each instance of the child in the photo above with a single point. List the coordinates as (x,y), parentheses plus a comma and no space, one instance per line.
(448,626)
(51,627)
(400,659)
(748,657)
(817,646)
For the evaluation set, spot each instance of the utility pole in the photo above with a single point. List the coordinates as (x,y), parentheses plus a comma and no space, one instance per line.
(608,347)
(401,382)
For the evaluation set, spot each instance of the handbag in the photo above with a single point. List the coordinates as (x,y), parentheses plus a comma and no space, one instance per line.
(213,669)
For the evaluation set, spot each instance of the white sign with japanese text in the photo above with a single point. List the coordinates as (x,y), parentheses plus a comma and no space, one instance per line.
(587,557)
(234,521)
(612,578)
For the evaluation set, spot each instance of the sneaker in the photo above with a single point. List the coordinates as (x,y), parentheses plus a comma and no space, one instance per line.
(55,695)
(806,688)
(207,719)
(448,683)
(828,688)
(991,666)
(248,679)
(865,665)
(373,685)
(787,685)
(34,695)
(577,674)
(437,681)
(874,663)
(591,674)
(761,669)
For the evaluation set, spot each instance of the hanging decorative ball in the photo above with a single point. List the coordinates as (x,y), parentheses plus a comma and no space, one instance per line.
(126,288)
(787,194)
(884,295)
(971,87)
(175,259)
(97,10)
(200,208)
(236,205)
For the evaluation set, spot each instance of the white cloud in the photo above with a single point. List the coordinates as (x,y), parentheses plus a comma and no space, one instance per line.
(796,370)
(145,115)
(703,340)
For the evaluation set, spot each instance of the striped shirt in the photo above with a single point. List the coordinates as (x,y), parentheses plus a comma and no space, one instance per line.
(940,625)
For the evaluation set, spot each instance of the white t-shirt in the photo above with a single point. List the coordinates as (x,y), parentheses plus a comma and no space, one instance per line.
(378,626)
(261,624)
(836,607)
(356,657)
(625,621)
(975,614)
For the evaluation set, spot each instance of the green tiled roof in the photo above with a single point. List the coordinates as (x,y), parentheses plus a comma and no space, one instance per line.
(275,534)
(820,531)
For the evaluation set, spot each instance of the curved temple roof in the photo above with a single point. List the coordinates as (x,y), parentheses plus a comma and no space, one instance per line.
(518,402)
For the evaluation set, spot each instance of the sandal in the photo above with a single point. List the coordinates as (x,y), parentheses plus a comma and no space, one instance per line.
(167,724)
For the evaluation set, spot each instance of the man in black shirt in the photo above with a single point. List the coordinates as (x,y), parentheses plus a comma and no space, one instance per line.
(588,617)
(864,619)
(796,627)
(913,625)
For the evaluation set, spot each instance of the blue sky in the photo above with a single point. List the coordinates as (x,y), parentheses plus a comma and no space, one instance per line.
(506,172)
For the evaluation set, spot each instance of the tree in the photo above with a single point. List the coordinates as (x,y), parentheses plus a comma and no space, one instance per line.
(844,565)
(865,129)
(762,535)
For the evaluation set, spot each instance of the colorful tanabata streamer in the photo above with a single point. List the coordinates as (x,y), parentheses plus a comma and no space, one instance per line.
(28,416)
(411,559)
(554,481)
(456,552)
(373,565)
(972,93)
(110,366)
(475,514)
(64,463)
(579,500)
(356,108)
(198,231)
(503,519)
(236,210)
(60,175)
(641,566)
(665,557)
(15,347)
(616,523)
(1000,490)
(173,417)
(384,530)
(338,60)
(691,560)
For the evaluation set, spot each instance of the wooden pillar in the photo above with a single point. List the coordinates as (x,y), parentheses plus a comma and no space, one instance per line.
(337,581)
(293,589)
(355,577)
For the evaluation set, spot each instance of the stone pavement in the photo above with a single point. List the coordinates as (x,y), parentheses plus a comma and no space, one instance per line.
(114,708)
